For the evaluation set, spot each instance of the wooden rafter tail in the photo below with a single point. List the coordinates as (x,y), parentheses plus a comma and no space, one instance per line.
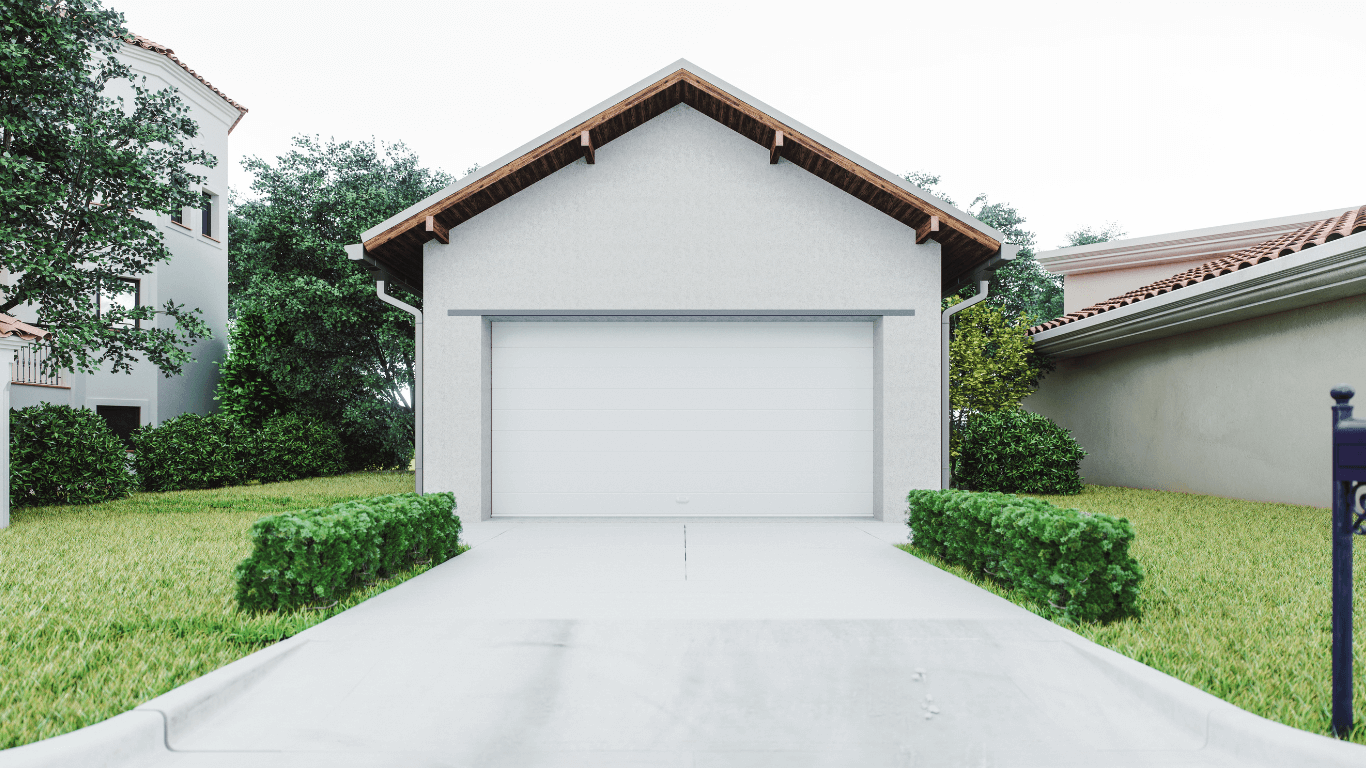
(775,150)
(438,231)
(586,141)
(930,229)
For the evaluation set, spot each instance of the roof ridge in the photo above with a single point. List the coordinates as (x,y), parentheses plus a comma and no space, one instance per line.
(1349,222)
(155,47)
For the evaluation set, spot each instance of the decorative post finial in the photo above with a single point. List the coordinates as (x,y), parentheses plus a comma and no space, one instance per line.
(1342,393)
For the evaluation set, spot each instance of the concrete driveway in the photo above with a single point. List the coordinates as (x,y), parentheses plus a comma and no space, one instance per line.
(688,643)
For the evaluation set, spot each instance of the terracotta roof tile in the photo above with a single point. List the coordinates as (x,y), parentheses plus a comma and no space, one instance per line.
(143,42)
(12,326)
(1349,223)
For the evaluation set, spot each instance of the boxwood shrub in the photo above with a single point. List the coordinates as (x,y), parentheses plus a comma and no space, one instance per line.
(191,452)
(1075,564)
(291,447)
(316,556)
(65,455)
(1015,451)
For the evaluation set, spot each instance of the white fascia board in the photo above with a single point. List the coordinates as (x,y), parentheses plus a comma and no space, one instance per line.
(1312,276)
(1208,243)
(189,86)
(642,85)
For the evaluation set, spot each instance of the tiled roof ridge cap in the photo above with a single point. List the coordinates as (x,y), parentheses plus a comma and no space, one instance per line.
(1350,222)
(1189,240)
(156,47)
(13,326)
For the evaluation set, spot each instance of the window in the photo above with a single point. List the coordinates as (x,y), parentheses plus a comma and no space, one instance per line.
(122,420)
(179,217)
(207,211)
(129,297)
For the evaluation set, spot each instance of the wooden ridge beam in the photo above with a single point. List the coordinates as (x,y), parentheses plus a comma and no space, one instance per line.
(438,231)
(775,150)
(930,229)
(586,141)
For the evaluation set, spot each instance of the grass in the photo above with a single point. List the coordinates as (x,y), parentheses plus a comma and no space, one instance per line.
(105,606)
(1235,599)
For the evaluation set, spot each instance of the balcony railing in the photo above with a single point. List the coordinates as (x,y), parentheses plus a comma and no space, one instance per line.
(27,368)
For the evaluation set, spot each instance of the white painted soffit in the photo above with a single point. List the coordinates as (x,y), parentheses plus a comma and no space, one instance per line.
(603,106)
(1205,244)
(1312,276)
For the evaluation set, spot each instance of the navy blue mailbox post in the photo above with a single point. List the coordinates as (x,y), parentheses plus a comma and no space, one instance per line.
(1349,482)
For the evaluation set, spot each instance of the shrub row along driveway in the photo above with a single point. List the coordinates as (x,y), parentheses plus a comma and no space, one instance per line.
(617,643)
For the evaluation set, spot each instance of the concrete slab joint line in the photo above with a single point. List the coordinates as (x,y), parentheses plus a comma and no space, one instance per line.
(553,643)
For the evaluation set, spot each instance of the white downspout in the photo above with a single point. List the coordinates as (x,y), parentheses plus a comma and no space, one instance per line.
(417,377)
(945,471)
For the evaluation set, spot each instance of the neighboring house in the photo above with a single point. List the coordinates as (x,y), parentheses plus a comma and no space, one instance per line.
(196,275)
(681,302)
(1214,380)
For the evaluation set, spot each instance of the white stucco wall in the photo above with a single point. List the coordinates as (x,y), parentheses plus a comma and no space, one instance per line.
(1239,410)
(679,214)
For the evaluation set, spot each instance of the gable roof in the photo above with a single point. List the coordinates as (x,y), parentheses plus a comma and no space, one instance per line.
(143,42)
(1349,222)
(396,244)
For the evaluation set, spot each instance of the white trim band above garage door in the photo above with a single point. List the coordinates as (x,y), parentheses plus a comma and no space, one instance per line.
(795,314)
(700,418)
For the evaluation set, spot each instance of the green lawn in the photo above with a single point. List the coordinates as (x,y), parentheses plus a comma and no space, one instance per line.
(1235,599)
(103,607)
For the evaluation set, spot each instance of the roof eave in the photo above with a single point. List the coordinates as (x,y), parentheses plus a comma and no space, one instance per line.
(626,93)
(1330,271)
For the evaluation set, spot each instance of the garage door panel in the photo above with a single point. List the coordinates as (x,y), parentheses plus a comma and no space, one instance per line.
(726,358)
(683,378)
(686,482)
(702,461)
(699,440)
(698,505)
(685,399)
(683,335)
(736,418)
(680,420)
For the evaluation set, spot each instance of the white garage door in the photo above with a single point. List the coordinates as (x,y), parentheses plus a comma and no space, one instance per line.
(682,418)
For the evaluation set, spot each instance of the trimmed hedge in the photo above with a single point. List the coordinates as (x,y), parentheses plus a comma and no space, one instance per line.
(291,447)
(1015,451)
(65,455)
(318,555)
(1075,563)
(191,452)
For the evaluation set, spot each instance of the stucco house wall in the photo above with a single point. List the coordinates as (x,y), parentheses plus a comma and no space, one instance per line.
(1238,410)
(680,214)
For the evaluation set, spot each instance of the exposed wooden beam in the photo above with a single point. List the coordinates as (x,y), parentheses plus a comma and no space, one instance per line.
(401,242)
(930,229)
(775,150)
(586,141)
(438,231)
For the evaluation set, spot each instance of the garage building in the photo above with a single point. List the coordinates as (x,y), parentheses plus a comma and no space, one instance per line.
(680,303)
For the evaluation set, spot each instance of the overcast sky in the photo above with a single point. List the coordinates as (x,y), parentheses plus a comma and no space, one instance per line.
(1159,116)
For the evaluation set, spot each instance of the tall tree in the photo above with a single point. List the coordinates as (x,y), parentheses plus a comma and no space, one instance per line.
(1022,288)
(1092,235)
(80,172)
(309,334)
